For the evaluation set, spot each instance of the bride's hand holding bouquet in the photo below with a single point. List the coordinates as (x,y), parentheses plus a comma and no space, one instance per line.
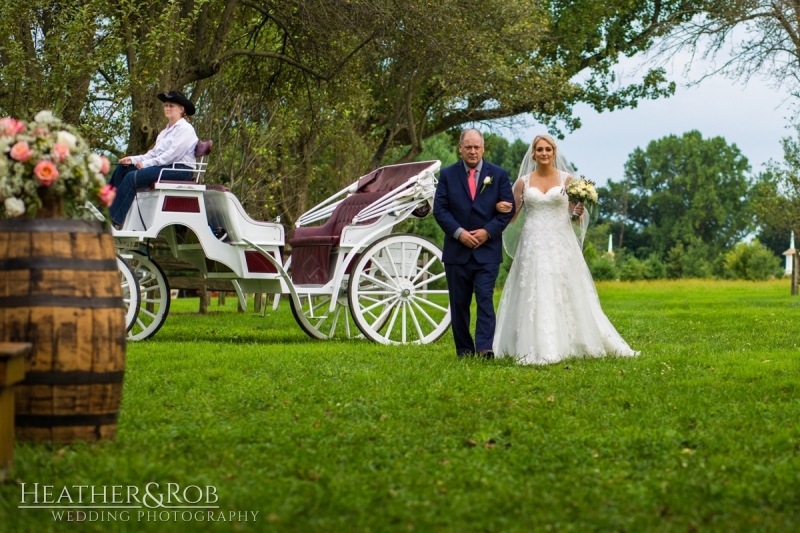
(582,193)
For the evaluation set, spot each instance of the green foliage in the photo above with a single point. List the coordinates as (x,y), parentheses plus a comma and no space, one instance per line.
(678,190)
(603,268)
(688,261)
(752,261)
(776,195)
(631,269)
(355,436)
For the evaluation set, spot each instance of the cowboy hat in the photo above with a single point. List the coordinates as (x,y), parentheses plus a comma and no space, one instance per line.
(177,97)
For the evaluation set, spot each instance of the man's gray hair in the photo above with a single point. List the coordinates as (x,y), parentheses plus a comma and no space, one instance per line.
(464,132)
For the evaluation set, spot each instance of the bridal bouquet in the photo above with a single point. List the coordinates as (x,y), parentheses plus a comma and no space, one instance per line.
(47,170)
(582,191)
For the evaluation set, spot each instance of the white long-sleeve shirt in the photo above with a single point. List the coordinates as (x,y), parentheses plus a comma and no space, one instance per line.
(175,144)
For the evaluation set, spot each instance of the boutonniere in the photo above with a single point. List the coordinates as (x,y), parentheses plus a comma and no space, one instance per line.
(487,181)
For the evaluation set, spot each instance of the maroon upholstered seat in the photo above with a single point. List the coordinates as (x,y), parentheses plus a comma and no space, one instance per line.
(203,148)
(311,246)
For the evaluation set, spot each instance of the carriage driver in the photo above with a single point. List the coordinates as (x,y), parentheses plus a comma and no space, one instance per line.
(174,146)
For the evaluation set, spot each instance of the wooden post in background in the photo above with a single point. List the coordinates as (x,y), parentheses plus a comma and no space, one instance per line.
(203,299)
(258,301)
(221,298)
(796,260)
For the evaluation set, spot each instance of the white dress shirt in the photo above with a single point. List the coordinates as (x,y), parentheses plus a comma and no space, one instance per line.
(175,144)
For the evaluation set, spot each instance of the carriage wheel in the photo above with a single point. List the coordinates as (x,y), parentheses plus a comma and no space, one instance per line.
(130,292)
(154,301)
(321,324)
(398,293)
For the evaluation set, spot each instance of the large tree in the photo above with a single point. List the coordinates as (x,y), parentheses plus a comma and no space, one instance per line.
(744,38)
(776,197)
(311,92)
(679,190)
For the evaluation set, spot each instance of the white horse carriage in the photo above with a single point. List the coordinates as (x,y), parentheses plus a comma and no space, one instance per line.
(347,268)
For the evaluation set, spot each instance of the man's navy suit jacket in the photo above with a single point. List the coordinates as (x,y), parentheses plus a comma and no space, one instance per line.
(454,208)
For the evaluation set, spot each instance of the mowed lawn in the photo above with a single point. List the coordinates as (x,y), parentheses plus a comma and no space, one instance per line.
(699,433)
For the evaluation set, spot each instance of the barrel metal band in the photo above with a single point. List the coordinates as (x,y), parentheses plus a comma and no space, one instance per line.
(73,377)
(57,263)
(44,300)
(49,421)
(51,225)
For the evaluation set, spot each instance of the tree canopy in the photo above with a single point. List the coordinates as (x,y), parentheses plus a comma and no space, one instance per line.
(311,93)
(680,190)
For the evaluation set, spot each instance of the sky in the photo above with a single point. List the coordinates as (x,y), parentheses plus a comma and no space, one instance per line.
(753,116)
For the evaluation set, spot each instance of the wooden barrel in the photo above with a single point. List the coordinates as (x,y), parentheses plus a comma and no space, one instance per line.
(60,290)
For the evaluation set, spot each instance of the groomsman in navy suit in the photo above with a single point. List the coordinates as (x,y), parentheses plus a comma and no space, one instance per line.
(464,207)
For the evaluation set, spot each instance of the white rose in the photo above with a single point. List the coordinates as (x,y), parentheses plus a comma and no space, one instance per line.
(67,138)
(95,163)
(14,207)
(44,117)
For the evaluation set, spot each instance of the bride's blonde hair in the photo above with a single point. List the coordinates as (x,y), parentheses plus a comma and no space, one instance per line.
(549,140)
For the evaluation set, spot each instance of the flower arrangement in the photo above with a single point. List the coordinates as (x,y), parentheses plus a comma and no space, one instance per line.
(47,170)
(582,191)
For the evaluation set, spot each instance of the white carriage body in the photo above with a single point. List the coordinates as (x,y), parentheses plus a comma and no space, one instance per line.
(249,253)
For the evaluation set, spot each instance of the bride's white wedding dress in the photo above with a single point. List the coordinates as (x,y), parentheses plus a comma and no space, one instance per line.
(549,310)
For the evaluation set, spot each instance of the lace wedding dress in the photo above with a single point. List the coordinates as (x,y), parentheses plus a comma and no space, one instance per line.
(549,310)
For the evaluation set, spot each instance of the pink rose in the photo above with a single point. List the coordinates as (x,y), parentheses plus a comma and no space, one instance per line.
(107,194)
(60,152)
(105,166)
(21,151)
(46,172)
(9,126)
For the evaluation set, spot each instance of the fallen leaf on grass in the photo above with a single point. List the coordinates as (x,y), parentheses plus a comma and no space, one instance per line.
(489,444)
(471,443)
(444,461)
(687,451)
(383,416)
(551,398)
(621,372)
(273,517)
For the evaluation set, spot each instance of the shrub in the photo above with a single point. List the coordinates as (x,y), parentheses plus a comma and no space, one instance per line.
(689,260)
(752,261)
(603,268)
(632,269)
(654,268)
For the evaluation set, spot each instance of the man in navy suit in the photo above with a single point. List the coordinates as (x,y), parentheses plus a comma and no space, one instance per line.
(464,207)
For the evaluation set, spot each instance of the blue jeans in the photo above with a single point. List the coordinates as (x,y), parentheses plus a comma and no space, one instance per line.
(127,178)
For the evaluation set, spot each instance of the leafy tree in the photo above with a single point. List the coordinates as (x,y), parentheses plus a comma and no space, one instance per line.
(752,37)
(680,189)
(776,196)
(752,261)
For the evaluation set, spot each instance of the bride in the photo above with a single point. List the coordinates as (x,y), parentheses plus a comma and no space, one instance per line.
(549,310)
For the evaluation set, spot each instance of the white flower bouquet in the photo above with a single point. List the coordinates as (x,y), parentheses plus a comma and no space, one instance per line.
(47,170)
(582,191)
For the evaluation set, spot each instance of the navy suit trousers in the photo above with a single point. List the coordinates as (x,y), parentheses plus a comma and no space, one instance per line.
(464,281)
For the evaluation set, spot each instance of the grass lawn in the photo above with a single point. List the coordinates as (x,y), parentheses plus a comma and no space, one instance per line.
(699,433)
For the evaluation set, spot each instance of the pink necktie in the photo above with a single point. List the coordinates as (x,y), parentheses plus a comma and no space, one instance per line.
(473,186)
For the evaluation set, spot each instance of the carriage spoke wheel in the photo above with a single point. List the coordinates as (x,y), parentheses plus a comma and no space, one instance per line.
(130,292)
(398,293)
(154,301)
(323,324)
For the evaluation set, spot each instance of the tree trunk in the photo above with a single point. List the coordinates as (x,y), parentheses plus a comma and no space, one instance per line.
(795,266)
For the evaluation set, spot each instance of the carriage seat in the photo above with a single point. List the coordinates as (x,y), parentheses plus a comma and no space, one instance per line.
(370,189)
(311,246)
(201,152)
